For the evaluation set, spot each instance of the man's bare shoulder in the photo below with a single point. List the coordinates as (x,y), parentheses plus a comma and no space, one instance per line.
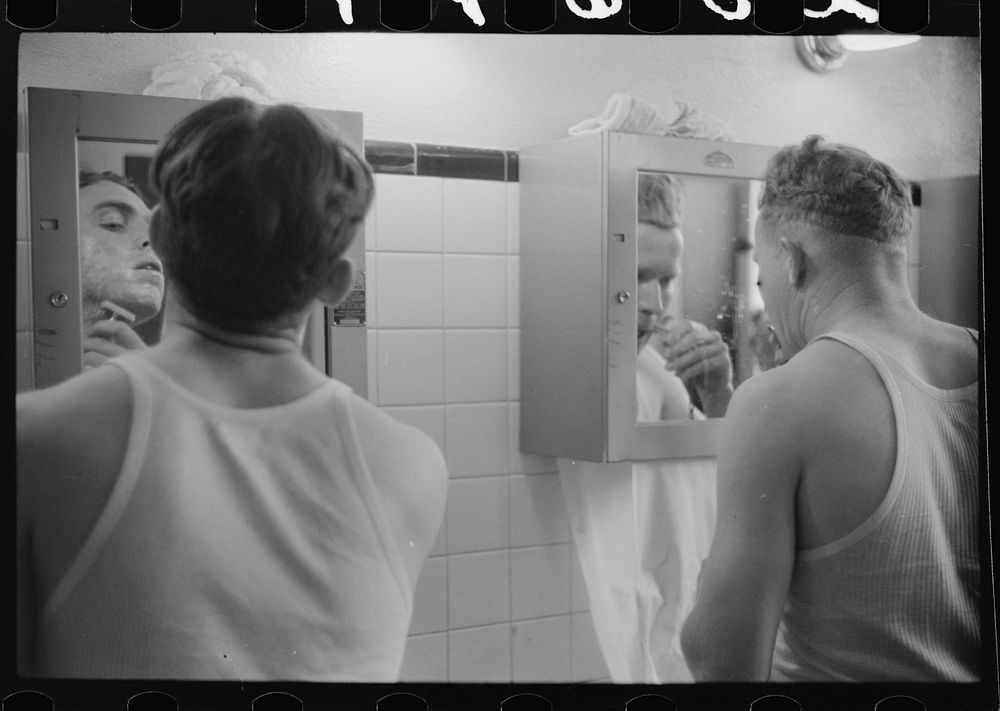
(397,440)
(408,469)
(71,439)
(403,459)
(795,401)
(84,402)
(62,419)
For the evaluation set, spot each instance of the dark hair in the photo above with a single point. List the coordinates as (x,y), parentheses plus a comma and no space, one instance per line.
(659,200)
(838,189)
(89,177)
(257,206)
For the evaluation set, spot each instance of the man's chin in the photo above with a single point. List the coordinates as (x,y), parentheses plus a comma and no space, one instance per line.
(145,309)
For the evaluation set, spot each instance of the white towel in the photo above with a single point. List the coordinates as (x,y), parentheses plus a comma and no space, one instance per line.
(641,530)
(631,115)
(211,74)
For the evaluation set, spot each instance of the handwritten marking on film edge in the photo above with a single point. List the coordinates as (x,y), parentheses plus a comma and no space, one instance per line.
(868,14)
(346,11)
(742,11)
(471,8)
(598,9)
(602,9)
(854,7)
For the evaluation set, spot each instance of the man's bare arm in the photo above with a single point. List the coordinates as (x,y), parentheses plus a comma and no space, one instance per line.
(730,633)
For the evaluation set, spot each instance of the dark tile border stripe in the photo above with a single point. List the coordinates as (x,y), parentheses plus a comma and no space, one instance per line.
(391,157)
(441,161)
(457,162)
(512,157)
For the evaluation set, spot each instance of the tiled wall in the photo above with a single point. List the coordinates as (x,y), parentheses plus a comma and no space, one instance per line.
(501,598)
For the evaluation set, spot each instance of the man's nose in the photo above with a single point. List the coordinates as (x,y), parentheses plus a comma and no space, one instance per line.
(650,299)
(666,295)
(142,239)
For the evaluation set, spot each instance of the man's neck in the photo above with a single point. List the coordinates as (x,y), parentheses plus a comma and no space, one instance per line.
(276,341)
(849,305)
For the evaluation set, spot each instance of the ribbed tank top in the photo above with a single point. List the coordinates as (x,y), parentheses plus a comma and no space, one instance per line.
(243,544)
(897,599)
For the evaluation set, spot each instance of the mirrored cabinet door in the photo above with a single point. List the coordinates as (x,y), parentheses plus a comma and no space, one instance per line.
(71,130)
(605,275)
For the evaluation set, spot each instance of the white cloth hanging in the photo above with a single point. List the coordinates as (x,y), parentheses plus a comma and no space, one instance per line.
(211,74)
(641,530)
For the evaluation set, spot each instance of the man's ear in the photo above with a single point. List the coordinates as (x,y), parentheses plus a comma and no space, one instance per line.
(340,282)
(795,261)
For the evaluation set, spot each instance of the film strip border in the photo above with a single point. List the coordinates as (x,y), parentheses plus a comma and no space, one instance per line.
(178,696)
(942,17)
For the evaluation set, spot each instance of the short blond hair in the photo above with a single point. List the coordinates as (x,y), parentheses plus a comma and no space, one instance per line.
(659,200)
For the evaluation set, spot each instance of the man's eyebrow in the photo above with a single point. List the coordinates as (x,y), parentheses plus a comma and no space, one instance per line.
(122,207)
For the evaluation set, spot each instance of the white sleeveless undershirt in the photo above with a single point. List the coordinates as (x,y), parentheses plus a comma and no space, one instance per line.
(241,544)
(898,597)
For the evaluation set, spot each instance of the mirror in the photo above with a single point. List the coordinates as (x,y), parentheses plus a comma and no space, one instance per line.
(694,262)
(580,302)
(70,130)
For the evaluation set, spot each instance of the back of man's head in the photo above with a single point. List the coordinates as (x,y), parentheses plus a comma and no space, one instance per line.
(659,200)
(838,191)
(258,204)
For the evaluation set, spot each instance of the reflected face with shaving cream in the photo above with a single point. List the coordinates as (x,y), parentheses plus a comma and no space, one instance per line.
(116,261)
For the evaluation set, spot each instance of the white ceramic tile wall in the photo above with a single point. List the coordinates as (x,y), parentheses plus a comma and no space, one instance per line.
(540,581)
(408,213)
(409,290)
(475,289)
(475,365)
(478,514)
(475,216)
(426,658)
(480,654)
(430,601)
(542,650)
(410,367)
(501,598)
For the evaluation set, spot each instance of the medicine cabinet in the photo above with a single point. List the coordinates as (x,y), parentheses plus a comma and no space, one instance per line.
(70,130)
(578,226)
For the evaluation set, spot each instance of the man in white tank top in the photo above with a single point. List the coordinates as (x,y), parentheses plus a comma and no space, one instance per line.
(848,478)
(214,507)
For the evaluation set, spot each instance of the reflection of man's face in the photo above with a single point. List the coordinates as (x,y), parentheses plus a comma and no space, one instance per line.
(116,261)
(658,258)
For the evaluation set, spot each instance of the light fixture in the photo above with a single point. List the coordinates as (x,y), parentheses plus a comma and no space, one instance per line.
(824,53)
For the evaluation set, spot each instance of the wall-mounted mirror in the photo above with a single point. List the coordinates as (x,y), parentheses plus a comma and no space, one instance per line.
(602,281)
(694,263)
(71,130)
